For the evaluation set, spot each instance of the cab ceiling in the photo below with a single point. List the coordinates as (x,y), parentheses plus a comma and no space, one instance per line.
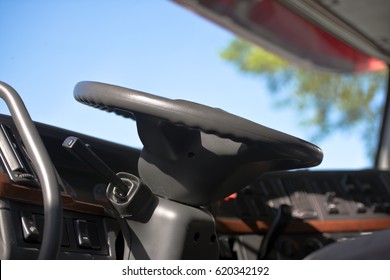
(363,24)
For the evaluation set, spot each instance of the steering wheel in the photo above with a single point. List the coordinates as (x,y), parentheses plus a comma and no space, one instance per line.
(52,204)
(196,154)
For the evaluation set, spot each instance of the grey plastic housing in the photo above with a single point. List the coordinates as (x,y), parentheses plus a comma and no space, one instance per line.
(175,231)
(157,228)
(196,154)
(138,203)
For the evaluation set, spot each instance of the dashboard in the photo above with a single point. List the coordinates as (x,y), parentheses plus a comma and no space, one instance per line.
(326,206)
(90,230)
(322,206)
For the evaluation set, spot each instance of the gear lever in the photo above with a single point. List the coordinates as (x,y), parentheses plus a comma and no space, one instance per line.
(85,153)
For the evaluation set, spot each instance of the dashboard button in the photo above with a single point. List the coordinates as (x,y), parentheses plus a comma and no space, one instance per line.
(87,235)
(361,208)
(29,227)
(332,209)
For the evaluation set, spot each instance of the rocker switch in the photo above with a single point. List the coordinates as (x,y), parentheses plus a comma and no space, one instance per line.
(87,235)
(29,227)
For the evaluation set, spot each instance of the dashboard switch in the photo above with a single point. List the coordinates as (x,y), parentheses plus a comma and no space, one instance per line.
(332,208)
(361,208)
(87,235)
(330,197)
(30,229)
(331,203)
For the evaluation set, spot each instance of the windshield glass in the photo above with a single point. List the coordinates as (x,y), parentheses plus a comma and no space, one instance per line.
(161,48)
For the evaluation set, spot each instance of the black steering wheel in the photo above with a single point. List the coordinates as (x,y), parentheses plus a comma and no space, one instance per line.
(197,154)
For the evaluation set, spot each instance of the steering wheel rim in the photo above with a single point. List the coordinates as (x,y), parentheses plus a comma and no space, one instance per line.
(129,103)
(52,203)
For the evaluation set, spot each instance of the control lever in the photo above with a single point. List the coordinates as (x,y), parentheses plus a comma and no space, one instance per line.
(152,227)
(85,153)
(283,217)
(130,198)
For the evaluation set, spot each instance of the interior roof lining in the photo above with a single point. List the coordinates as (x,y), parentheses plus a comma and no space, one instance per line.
(345,20)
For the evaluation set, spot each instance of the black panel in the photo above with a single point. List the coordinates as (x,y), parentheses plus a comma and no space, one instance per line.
(77,228)
(320,195)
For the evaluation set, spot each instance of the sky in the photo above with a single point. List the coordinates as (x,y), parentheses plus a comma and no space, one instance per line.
(152,46)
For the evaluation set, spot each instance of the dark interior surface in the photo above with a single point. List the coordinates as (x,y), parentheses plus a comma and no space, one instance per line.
(326,206)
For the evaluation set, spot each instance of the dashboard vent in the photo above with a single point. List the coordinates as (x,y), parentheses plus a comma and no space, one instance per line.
(14,159)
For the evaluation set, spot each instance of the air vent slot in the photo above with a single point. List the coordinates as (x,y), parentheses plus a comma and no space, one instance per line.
(13,160)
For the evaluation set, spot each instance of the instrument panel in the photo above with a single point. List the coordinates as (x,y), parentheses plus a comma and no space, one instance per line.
(314,195)
(325,207)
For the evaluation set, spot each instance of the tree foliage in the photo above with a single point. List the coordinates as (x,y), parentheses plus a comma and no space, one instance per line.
(327,102)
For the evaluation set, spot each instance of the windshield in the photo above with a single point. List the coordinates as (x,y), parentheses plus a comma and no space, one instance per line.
(161,48)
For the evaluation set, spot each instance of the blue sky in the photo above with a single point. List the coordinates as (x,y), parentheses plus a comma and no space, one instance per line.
(153,46)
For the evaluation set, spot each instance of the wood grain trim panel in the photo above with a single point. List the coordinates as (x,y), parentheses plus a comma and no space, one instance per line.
(237,226)
(34,196)
(351,225)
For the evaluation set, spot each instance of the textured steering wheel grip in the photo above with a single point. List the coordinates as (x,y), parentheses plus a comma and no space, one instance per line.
(130,103)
